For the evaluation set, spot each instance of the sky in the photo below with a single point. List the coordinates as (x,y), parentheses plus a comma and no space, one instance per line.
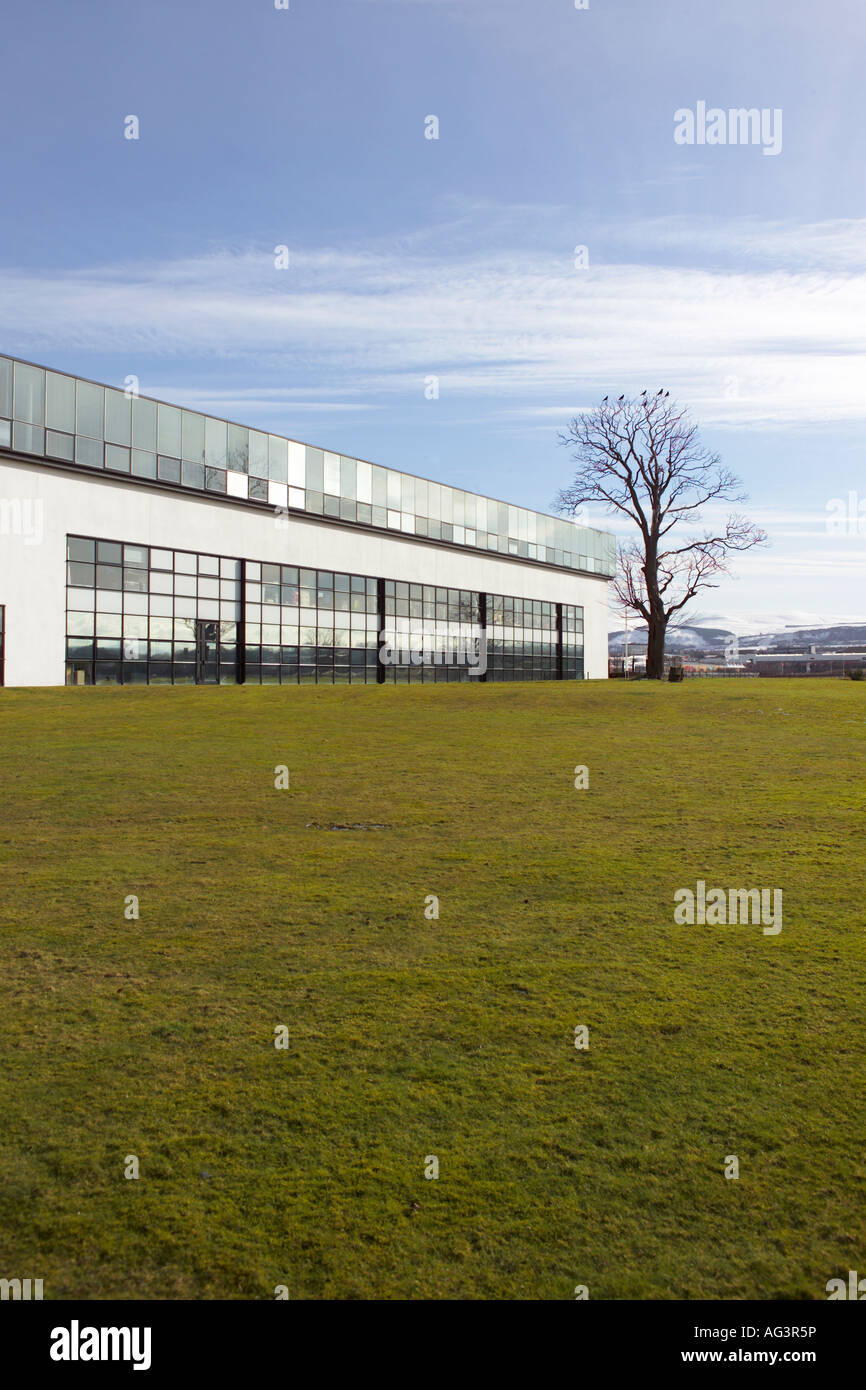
(556,243)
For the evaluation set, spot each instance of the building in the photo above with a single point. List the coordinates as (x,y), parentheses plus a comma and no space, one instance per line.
(811,663)
(145,543)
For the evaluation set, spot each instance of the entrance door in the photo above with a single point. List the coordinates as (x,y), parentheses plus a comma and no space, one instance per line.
(206,653)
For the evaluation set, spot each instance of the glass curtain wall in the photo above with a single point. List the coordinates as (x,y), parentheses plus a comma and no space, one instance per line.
(68,420)
(138,614)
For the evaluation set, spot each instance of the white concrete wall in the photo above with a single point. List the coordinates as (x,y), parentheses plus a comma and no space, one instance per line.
(39,506)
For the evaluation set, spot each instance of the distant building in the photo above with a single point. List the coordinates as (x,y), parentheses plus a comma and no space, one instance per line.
(811,663)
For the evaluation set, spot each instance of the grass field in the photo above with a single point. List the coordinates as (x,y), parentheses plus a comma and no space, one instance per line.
(411,1037)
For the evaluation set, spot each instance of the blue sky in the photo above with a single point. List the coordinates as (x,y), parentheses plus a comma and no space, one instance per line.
(734,278)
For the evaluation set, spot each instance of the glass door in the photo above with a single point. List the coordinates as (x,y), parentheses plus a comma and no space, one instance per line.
(206,653)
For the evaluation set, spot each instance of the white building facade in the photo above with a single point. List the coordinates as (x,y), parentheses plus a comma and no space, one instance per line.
(143,543)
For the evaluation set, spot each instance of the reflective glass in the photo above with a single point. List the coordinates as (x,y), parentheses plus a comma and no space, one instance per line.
(278,455)
(192,435)
(118,418)
(30,439)
(89,451)
(59,402)
(259,454)
(6,386)
(144,424)
(168,435)
(215,439)
(29,394)
(238,457)
(89,409)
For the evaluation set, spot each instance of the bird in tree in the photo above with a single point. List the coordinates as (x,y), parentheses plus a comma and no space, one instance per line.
(644,458)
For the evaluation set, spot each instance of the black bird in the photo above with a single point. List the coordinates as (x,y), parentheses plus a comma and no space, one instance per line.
(667,393)
(622,398)
(643,393)
(604,400)
(661,392)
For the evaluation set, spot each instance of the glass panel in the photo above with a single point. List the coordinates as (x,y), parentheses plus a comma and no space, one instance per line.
(380,489)
(118,418)
(79,548)
(315,471)
(80,573)
(193,436)
(117,458)
(215,434)
(143,464)
(169,430)
(193,474)
(89,409)
(30,439)
(5,386)
(278,455)
(364,473)
(332,474)
(59,446)
(238,449)
(259,454)
(348,478)
(59,402)
(29,394)
(109,577)
(169,469)
(144,424)
(88,451)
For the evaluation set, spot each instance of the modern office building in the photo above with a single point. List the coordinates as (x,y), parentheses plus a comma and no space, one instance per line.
(141,542)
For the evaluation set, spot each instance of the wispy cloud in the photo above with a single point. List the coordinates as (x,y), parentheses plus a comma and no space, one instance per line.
(778,342)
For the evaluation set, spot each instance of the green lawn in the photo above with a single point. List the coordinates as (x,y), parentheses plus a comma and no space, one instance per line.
(412,1037)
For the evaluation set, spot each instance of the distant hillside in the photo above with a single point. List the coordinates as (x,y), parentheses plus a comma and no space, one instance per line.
(698,640)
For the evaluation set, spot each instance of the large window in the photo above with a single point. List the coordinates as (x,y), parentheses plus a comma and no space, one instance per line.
(132,613)
(424,619)
(141,614)
(310,626)
(572,642)
(523,639)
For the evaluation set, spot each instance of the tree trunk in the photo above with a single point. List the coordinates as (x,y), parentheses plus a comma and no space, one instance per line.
(655,648)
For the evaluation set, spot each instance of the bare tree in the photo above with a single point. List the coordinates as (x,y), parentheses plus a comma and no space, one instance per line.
(643,457)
